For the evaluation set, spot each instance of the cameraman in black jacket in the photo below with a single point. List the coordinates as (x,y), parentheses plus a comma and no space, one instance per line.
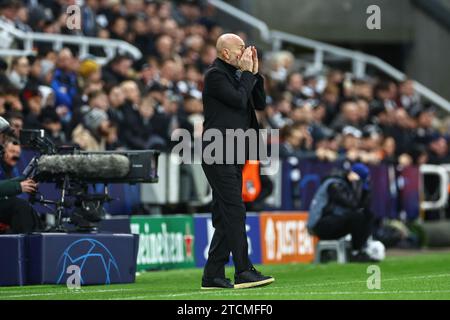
(17,213)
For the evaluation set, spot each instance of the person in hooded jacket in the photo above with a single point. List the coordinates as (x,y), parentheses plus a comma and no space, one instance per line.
(341,206)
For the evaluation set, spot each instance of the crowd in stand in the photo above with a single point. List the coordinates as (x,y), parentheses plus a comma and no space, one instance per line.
(129,104)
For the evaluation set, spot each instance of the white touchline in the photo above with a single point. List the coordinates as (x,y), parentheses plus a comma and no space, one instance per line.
(131,298)
(260,293)
(256,293)
(345,292)
(6,294)
(322,284)
(62,293)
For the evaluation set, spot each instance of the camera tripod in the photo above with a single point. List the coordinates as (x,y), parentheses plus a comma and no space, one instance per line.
(87,208)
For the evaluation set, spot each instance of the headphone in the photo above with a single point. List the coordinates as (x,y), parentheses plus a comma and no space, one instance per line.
(4,126)
(6,129)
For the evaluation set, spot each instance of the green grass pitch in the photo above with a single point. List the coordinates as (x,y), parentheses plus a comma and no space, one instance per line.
(424,276)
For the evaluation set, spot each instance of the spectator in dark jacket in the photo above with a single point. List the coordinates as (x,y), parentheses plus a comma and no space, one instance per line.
(438,152)
(32,100)
(116,71)
(296,142)
(34,77)
(52,125)
(137,128)
(117,103)
(424,115)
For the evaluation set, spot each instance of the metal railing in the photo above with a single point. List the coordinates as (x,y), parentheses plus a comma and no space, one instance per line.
(436,9)
(360,60)
(8,33)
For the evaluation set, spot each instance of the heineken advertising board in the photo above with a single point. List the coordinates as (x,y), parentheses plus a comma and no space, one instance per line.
(164,242)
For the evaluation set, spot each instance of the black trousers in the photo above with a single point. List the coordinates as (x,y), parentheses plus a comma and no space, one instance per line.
(357,223)
(228,218)
(19,215)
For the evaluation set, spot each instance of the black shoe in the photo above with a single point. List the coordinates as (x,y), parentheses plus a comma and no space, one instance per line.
(250,279)
(216,283)
(362,257)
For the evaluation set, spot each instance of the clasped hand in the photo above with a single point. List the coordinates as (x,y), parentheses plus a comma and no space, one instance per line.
(249,60)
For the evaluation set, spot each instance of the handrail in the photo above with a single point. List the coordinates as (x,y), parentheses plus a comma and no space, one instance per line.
(314,44)
(243,16)
(436,10)
(111,45)
(359,59)
(15,53)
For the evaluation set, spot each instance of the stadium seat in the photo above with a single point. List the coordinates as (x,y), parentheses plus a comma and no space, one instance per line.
(339,246)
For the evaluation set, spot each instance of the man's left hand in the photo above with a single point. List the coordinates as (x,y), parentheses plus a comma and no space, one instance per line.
(255,60)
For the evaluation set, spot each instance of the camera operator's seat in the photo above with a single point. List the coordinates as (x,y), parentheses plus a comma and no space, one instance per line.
(339,247)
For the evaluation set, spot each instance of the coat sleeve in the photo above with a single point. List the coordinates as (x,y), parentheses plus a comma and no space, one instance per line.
(219,86)
(10,188)
(259,94)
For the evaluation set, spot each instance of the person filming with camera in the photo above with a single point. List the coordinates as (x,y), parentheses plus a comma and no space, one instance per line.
(341,206)
(16,215)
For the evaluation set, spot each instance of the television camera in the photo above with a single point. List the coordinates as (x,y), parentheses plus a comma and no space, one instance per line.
(73,171)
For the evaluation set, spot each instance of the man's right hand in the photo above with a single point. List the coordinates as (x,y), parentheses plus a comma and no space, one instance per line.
(28,186)
(246,61)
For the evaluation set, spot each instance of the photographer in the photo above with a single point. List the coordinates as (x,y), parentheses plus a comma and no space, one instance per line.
(16,213)
(341,206)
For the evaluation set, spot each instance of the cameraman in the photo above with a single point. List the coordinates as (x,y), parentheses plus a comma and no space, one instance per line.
(341,206)
(17,213)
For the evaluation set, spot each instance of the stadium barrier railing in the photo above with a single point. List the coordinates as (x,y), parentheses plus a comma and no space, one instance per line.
(359,60)
(10,36)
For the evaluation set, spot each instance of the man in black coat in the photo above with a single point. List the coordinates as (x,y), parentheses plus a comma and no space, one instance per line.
(233,90)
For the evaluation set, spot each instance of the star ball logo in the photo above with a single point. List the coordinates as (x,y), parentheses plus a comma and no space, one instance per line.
(86,258)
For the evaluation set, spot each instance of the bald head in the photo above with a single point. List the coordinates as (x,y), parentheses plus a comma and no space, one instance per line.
(65,59)
(230,48)
(65,53)
(226,40)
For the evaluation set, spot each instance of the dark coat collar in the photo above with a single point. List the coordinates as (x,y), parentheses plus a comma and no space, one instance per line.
(225,66)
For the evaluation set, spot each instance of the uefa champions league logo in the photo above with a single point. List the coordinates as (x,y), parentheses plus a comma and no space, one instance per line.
(87,256)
